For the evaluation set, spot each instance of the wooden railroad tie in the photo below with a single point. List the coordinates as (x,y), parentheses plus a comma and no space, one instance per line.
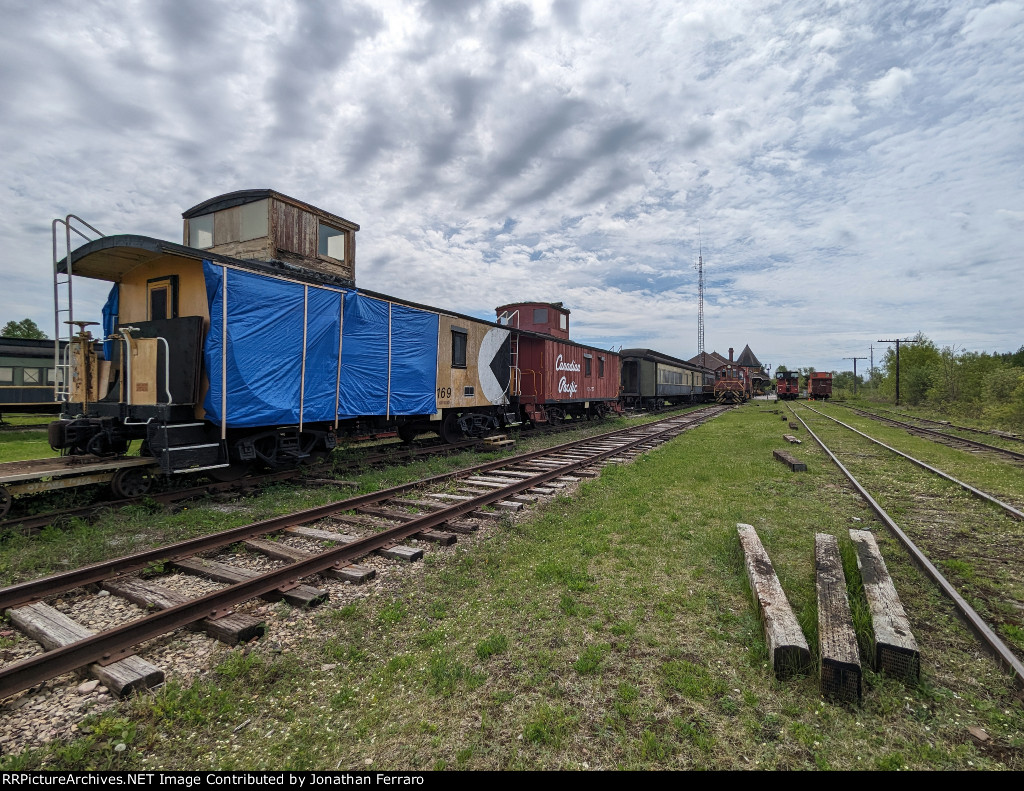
(789,460)
(791,439)
(53,629)
(837,640)
(896,650)
(794,426)
(299,596)
(784,418)
(787,646)
(231,629)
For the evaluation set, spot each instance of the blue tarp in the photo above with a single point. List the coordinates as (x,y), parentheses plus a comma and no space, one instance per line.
(264,353)
(110,310)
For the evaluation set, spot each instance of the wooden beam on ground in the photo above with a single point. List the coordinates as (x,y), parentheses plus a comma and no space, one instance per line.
(231,629)
(837,640)
(53,629)
(401,552)
(896,650)
(437,537)
(789,460)
(791,439)
(794,426)
(787,646)
(299,596)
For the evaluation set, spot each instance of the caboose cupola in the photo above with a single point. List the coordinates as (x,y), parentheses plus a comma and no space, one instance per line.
(549,318)
(267,226)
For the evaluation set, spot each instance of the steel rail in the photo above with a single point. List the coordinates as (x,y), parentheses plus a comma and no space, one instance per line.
(947,424)
(982,630)
(1014,512)
(28,524)
(34,590)
(972,442)
(116,643)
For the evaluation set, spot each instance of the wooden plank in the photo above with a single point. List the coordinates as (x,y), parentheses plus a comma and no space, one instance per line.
(837,641)
(299,596)
(466,528)
(787,646)
(388,513)
(402,501)
(322,535)
(789,460)
(52,629)
(437,537)
(791,439)
(231,629)
(794,426)
(896,650)
(401,552)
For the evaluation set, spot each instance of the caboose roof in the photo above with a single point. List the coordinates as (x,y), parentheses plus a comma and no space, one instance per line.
(241,197)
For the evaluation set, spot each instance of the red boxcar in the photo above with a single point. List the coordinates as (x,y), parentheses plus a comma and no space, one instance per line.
(558,378)
(787,385)
(819,385)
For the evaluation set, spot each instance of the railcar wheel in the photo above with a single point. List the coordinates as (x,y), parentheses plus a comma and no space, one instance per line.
(5,502)
(407,432)
(451,431)
(130,482)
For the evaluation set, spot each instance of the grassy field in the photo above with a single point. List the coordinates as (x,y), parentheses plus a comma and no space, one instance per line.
(613,628)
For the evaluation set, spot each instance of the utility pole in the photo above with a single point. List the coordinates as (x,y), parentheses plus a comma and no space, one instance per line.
(855,371)
(898,341)
(871,370)
(700,300)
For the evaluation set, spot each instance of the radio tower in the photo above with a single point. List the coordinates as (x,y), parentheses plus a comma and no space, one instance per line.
(700,299)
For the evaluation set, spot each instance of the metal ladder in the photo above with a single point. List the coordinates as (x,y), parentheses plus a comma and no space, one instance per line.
(63,303)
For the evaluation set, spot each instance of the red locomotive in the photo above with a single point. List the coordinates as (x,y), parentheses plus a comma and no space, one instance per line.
(732,385)
(787,385)
(556,378)
(819,385)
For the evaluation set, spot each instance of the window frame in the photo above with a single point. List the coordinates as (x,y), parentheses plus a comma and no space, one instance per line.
(460,332)
(340,232)
(168,283)
(10,374)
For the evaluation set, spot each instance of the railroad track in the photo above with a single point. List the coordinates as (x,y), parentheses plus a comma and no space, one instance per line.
(309,545)
(994,582)
(954,427)
(390,454)
(961,443)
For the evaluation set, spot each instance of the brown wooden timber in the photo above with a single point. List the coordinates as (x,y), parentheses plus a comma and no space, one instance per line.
(789,460)
(231,629)
(787,646)
(299,596)
(896,650)
(837,641)
(791,439)
(53,629)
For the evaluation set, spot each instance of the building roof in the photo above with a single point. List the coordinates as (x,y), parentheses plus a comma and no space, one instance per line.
(748,359)
(714,360)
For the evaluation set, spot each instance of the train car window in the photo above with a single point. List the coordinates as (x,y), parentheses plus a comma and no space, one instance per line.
(332,242)
(540,315)
(200,232)
(6,374)
(49,376)
(459,337)
(600,367)
(30,376)
(586,364)
(163,298)
(563,321)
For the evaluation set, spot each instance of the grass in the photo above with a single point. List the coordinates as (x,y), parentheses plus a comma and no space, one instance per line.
(611,629)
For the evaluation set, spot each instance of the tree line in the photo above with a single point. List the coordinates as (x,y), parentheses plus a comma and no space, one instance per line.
(951,380)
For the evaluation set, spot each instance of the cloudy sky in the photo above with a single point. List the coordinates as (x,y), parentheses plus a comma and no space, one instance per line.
(856,169)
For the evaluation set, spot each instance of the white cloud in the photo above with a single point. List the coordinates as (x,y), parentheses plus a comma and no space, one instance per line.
(887,88)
